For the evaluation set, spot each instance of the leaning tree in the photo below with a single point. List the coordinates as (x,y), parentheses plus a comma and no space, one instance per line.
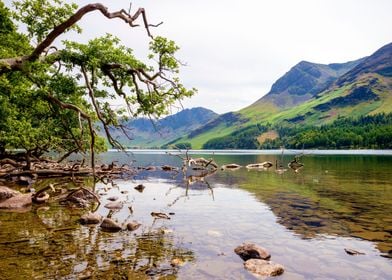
(57,97)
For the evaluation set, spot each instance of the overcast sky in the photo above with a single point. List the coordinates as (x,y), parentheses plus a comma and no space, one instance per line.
(235,50)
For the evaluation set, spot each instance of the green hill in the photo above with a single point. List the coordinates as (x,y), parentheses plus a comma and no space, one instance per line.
(308,95)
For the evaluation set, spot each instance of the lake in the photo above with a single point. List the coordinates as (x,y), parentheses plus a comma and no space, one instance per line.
(306,220)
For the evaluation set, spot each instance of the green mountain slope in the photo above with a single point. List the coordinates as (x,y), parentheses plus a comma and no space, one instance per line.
(313,94)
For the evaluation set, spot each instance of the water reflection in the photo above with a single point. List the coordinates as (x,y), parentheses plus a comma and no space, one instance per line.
(49,243)
(305,219)
(344,196)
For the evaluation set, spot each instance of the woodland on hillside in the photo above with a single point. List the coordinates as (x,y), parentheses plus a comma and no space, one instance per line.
(365,132)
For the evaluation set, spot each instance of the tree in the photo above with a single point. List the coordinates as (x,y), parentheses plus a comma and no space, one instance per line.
(58,95)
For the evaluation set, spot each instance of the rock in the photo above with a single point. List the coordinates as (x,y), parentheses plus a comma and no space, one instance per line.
(134,225)
(90,218)
(177,262)
(112,198)
(140,188)
(110,225)
(353,252)
(151,168)
(17,201)
(251,251)
(24,180)
(265,164)
(6,193)
(263,267)
(231,166)
(81,198)
(168,168)
(41,198)
(116,205)
(158,215)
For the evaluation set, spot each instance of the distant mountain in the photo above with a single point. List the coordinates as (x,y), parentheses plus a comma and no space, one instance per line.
(310,94)
(146,133)
(304,81)
(379,63)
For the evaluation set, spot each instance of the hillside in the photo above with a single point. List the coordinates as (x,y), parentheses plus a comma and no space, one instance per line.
(313,94)
(146,133)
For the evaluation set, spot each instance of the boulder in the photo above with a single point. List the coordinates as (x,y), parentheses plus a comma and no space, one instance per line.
(252,251)
(91,218)
(134,225)
(263,267)
(6,193)
(17,201)
(110,225)
(112,198)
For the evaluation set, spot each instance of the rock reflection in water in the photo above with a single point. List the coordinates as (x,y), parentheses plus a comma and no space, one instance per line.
(49,243)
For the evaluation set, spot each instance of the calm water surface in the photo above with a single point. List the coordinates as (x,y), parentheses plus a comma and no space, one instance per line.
(304,219)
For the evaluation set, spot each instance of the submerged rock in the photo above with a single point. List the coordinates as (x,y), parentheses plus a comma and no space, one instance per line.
(91,218)
(263,267)
(116,205)
(81,198)
(252,251)
(134,225)
(110,225)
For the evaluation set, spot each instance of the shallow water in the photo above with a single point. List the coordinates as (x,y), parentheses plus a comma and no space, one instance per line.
(304,219)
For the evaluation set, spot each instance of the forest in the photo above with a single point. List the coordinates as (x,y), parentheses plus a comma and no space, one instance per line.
(365,132)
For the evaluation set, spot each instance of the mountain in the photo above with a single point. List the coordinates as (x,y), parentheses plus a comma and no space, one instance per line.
(309,94)
(146,133)
(304,81)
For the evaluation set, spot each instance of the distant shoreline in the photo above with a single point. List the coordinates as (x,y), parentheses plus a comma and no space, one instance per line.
(263,152)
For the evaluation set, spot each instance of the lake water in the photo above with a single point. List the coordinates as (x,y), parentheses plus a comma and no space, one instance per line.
(305,220)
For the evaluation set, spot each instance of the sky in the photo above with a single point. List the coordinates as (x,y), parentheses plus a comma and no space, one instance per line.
(234,51)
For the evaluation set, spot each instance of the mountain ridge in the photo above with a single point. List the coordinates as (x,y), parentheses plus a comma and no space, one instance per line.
(327,92)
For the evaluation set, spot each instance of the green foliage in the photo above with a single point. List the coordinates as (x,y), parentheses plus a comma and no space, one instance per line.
(54,101)
(41,16)
(372,132)
(183,146)
(245,138)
